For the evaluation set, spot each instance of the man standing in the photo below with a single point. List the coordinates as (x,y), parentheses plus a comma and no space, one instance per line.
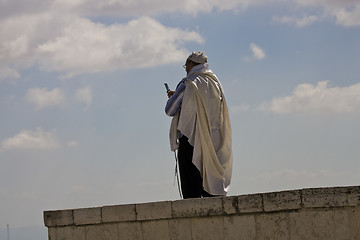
(201,131)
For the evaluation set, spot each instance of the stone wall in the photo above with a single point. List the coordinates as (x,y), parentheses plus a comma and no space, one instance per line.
(318,213)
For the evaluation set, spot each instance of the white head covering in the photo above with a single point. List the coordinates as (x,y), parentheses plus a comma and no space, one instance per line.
(198,57)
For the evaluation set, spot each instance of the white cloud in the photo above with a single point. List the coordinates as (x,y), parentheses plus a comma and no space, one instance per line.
(320,98)
(84,95)
(59,35)
(150,8)
(346,13)
(43,98)
(87,47)
(61,39)
(348,17)
(257,53)
(299,22)
(31,140)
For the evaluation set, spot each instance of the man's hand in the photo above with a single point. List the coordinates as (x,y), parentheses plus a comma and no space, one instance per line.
(170,93)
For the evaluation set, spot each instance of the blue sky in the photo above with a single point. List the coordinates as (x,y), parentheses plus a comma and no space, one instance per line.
(82,98)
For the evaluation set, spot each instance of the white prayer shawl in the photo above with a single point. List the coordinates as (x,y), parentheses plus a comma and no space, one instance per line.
(205,120)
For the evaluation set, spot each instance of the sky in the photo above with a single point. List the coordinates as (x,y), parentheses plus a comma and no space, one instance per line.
(82,98)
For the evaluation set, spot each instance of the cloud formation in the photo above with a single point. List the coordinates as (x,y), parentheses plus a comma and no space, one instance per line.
(60,35)
(345,13)
(320,98)
(43,98)
(57,37)
(140,43)
(257,53)
(299,22)
(31,140)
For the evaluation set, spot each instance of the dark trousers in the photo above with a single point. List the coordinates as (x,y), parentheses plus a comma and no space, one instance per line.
(191,181)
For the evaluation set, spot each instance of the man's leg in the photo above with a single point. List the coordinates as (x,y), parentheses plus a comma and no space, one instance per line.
(191,182)
(206,194)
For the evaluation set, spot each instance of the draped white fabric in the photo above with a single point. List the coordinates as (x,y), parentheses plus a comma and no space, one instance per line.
(205,120)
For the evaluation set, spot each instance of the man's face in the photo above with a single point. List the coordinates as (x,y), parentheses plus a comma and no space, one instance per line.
(188,66)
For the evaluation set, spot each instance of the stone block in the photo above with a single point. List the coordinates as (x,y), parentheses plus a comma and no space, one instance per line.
(58,218)
(51,233)
(85,216)
(180,228)
(156,210)
(197,207)
(279,201)
(243,204)
(118,213)
(272,226)
(324,197)
(155,230)
(341,224)
(354,219)
(207,228)
(130,231)
(240,227)
(353,196)
(102,232)
(315,224)
(70,233)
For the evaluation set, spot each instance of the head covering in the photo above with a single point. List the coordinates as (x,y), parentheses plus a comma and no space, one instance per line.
(198,57)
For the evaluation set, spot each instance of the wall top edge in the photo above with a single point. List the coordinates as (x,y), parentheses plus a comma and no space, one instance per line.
(289,200)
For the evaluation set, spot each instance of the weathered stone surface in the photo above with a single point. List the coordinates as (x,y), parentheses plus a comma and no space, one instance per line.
(197,207)
(354,222)
(353,196)
(87,216)
(240,227)
(341,224)
(119,213)
(324,197)
(130,231)
(279,201)
(58,218)
(180,228)
(52,233)
(231,205)
(207,228)
(102,232)
(158,229)
(272,226)
(70,233)
(327,213)
(243,204)
(156,210)
(311,224)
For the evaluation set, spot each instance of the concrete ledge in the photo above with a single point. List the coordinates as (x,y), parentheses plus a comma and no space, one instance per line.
(279,201)
(120,213)
(316,213)
(243,204)
(59,218)
(331,197)
(220,206)
(156,210)
(197,207)
(86,216)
